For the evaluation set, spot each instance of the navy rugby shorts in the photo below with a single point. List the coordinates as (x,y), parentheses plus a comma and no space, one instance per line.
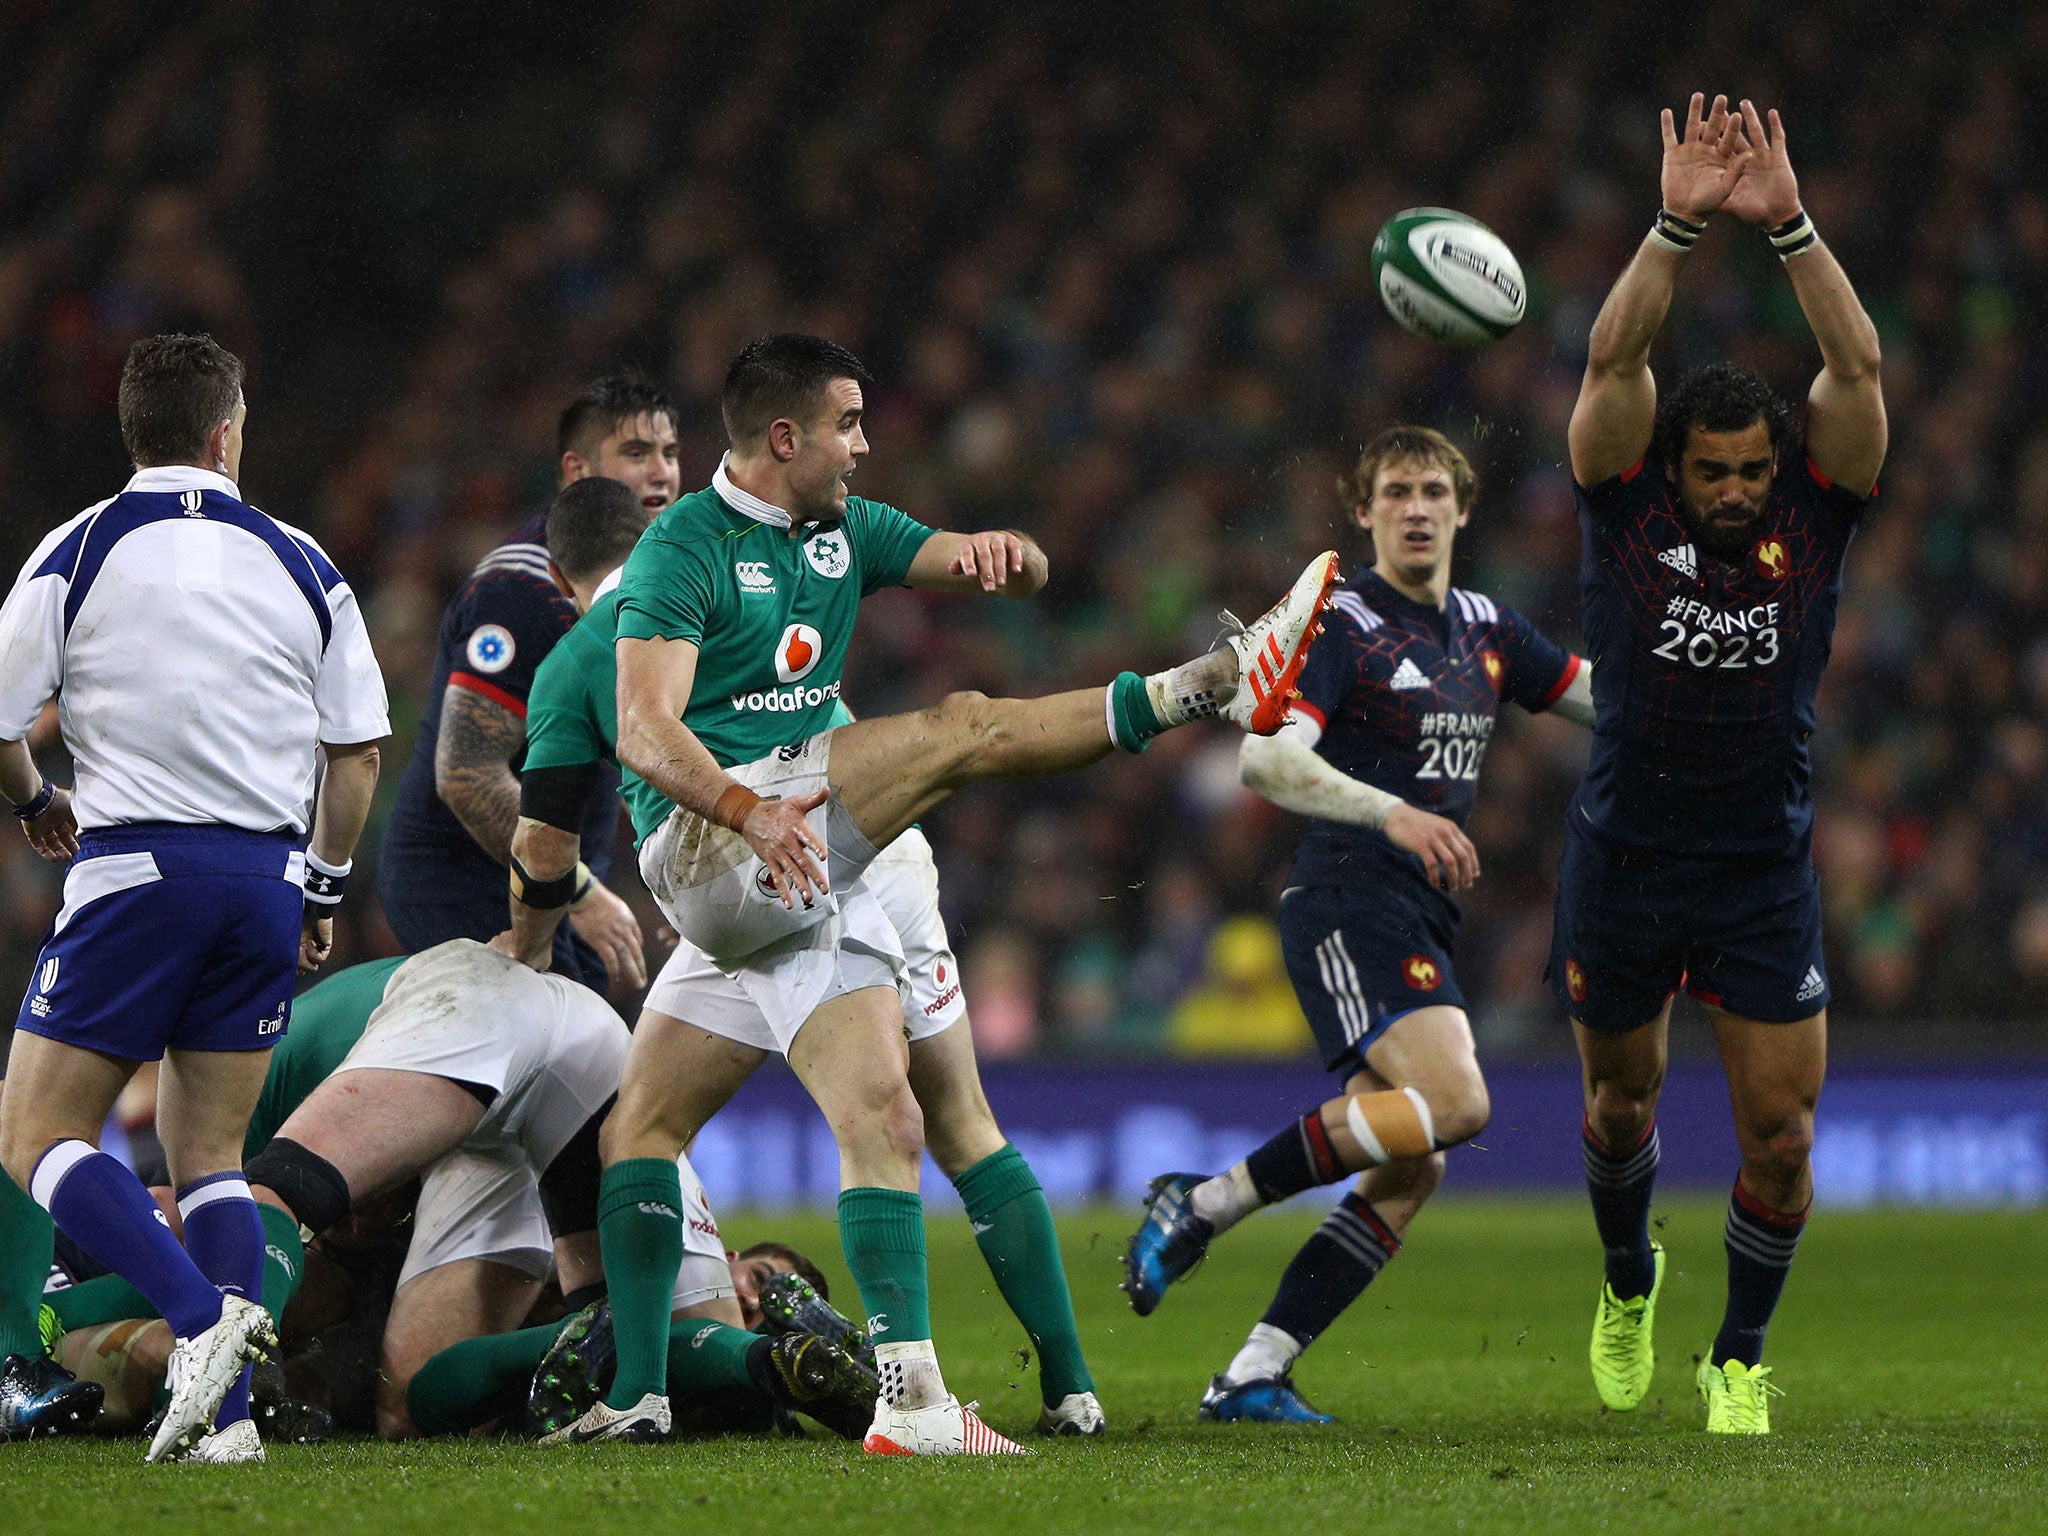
(171,936)
(1361,961)
(1741,933)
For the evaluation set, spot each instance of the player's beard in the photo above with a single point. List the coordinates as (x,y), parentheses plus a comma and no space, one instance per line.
(1721,538)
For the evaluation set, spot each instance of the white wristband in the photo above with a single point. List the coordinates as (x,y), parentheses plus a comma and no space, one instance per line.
(326,882)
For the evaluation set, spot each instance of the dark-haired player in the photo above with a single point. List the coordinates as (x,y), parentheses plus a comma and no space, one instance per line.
(442,874)
(1382,751)
(1713,560)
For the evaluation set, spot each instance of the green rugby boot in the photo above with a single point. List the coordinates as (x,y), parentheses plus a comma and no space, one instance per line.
(1623,1356)
(1738,1397)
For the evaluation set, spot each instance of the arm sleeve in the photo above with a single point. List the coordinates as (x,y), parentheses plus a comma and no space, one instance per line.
(31,650)
(885,541)
(1330,672)
(665,592)
(349,693)
(501,630)
(561,726)
(1538,668)
(1840,505)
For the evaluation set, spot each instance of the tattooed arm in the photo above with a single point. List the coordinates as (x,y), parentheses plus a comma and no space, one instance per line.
(473,767)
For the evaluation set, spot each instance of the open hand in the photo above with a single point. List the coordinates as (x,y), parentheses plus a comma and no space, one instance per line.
(991,558)
(607,925)
(1767,193)
(780,834)
(1701,169)
(54,834)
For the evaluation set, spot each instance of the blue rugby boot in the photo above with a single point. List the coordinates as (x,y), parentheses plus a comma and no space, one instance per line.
(1171,1241)
(39,1397)
(1262,1400)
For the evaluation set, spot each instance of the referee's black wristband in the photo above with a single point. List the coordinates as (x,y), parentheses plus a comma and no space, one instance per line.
(326,882)
(39,804)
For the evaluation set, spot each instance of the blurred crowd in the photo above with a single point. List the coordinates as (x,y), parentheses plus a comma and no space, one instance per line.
(1109,266)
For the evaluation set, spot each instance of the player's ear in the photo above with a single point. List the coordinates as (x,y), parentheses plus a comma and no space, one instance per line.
(784,437)
(574,467)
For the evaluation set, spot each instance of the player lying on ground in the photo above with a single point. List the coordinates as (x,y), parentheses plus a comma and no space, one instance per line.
(203,657)
(442,871)
(734,617)
(708,1032)
(486,1082)
(1382,752)
(1713,562)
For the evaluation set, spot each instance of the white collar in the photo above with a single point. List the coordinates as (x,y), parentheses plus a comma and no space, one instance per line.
(181,477)
(746,503)
(606,585)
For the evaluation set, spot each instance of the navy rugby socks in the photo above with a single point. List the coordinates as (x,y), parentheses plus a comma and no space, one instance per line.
(1760,1244)
(106,1211)
(224,1235)
(1331,1270)
(1620,1184)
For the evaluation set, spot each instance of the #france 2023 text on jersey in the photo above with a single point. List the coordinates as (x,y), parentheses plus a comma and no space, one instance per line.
(1705,670)
(1406,696)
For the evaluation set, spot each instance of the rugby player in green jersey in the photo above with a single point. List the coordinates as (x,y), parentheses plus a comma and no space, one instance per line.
(733,618)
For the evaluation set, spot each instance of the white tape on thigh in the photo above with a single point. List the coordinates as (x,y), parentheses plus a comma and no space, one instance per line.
(1361,1130)
(1428,1120)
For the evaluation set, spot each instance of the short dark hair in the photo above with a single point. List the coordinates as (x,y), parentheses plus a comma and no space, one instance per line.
(782,375)
(788,1255)
(1421,445)
(593,525)
(174,391)
(1720,397)
(605,405)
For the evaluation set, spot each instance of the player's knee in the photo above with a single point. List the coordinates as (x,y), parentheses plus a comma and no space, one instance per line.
(1780,1144)
(1459,1110)
(966,722)
(1621,1112)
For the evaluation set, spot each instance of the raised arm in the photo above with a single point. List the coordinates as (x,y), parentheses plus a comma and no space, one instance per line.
(1617,405)
(655,679)
(1003,561)
(1846,430)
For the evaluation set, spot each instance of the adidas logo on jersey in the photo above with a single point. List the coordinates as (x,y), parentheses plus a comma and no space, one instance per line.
(1812,987)
(1407,675)
(1682,560)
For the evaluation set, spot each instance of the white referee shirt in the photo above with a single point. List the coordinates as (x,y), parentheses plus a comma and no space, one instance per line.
(198,650)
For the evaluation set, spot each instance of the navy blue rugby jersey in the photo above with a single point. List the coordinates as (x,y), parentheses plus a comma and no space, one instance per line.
(1406,695)
(1705,670)
(495,633)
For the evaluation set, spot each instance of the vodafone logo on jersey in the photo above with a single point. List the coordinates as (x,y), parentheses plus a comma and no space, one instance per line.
(797,652)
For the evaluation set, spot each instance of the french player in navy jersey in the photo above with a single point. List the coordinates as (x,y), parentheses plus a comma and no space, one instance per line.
(1382,751)
(449,842)
(1713,547)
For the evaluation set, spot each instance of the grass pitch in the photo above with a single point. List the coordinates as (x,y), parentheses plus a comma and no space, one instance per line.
(1912,1347)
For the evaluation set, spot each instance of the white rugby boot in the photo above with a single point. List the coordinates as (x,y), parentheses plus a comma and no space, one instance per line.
(647,1422)
(204,1367)
(943,1428)
(238,1442)
(1078,1413)
(1271,649)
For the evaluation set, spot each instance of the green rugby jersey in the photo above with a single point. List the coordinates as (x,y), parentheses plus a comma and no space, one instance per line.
(572,712)
(327,1021)
(771,615)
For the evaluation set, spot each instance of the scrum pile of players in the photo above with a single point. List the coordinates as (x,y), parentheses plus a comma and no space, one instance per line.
(472,1180)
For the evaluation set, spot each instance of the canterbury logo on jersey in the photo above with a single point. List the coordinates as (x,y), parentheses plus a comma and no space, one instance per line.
(1682,560)
(1407,675)
(754,576)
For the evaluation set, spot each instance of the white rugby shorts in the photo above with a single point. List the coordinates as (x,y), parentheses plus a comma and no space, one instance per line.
(904,883)
(717,893)
(484,1203)
(550,1048)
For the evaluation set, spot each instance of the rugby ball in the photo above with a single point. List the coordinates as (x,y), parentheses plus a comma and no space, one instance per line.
(1448,277)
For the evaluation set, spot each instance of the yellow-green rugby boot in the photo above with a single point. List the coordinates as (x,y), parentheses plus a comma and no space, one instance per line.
(1737,1397)
(1622,1354)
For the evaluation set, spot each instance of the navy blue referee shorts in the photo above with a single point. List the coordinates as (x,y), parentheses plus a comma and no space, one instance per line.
(1741,933)
(1359,962)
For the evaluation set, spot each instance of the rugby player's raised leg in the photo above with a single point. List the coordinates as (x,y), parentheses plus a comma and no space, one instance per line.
(1774,1081)
(468,1299)
(1011,1220)
(1624,1073)
(1423,1093)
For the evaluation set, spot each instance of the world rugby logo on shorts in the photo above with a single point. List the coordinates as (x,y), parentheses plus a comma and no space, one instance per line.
(828,553)
(797,652)
(46,978)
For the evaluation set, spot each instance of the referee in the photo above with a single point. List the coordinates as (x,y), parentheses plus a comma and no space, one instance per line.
(202,654)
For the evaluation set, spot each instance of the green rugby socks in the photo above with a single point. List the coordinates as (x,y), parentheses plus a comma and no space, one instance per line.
(1013,1225)
(640,1232)
(284,1259)
(27,1245)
